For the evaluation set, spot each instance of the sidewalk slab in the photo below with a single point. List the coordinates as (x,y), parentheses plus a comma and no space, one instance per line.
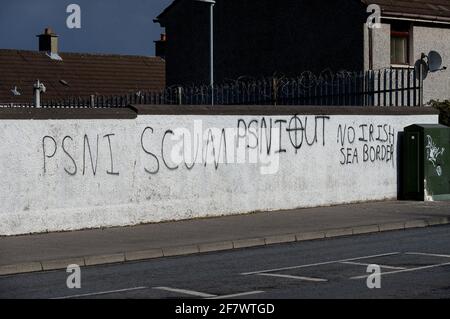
(30,253)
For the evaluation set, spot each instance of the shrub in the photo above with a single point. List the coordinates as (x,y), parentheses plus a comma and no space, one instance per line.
(444,109)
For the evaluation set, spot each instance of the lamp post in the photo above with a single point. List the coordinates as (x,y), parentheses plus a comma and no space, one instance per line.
(211,45)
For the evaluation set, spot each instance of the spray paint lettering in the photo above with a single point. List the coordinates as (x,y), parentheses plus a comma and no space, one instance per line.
(366,143)
(89,154)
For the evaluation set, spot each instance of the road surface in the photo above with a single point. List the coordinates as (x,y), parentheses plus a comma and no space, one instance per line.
(414,264)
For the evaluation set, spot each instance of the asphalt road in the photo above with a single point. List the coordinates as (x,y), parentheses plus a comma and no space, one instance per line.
(415,264)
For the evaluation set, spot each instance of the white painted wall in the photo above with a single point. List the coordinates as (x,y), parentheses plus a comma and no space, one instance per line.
(39,194)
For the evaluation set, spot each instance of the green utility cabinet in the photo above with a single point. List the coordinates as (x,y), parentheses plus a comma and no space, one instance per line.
(426,163)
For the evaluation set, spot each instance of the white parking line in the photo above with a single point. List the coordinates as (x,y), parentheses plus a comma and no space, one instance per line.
(430,255)
(102,293)
(238,295)
(364,264)
(317,264)
(186,292)
(404,270)
(294,277)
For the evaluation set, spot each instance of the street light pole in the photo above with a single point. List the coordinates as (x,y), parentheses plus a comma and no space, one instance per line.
(211,46)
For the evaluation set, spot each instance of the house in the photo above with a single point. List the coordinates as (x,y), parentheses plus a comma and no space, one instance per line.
(74,74)
(259,38)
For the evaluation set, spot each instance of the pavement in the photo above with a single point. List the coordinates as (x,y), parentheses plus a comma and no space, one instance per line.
(45,252)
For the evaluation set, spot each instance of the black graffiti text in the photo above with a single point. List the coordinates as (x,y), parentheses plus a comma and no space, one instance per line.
(83,162)
(366,143)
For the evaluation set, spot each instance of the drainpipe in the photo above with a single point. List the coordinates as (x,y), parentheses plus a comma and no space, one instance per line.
(421,76)
(370,49)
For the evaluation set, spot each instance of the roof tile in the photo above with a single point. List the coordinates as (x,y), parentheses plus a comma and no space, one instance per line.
(78,74)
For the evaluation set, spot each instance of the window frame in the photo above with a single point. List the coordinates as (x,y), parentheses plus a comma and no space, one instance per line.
(403,32)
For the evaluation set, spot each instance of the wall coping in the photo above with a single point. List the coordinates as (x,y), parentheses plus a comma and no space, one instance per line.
(133,111)
(279,110)
(25,113)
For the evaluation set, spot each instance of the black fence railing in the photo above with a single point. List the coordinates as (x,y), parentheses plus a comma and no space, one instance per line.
(387,87)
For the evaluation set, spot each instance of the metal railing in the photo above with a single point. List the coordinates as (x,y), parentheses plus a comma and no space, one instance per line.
(387,87)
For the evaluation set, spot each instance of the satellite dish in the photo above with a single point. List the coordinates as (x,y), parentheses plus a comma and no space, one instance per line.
(434,61)
(421,65)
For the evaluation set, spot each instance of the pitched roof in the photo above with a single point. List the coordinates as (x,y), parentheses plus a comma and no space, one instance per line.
(166,10)
(77,74)
(434,10)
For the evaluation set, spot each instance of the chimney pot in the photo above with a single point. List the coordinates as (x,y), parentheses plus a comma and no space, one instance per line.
(160,46)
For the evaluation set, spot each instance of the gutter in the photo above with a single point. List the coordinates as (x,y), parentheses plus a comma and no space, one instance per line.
(416,18)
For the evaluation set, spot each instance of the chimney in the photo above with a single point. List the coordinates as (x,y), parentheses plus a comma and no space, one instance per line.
(160,46)
(48,41)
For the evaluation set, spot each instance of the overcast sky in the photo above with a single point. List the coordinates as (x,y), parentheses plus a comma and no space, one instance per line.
(107,26)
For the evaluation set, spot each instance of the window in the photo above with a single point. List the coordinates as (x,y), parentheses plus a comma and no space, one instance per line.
(400,42)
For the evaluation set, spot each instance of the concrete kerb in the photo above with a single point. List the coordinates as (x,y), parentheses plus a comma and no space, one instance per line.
(310,236)
(280,239)
(48,265)
(248,243)
(180,251)
(62,263)
(212,247)
(438,221)
(341,232)
(392,226)
(144,255)
(104,259)
(366,229)
(20,268)
(416,224)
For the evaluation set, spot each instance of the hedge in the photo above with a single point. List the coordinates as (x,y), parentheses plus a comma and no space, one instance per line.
(444,108)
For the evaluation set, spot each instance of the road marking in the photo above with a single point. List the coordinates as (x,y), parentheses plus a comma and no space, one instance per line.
(430,255)
(363,264)
(294,277)
(102,293)
(186,292)
(238,295)
(404,270)
(317,264)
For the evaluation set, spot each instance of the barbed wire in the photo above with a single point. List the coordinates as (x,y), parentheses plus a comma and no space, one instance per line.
(307,87)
